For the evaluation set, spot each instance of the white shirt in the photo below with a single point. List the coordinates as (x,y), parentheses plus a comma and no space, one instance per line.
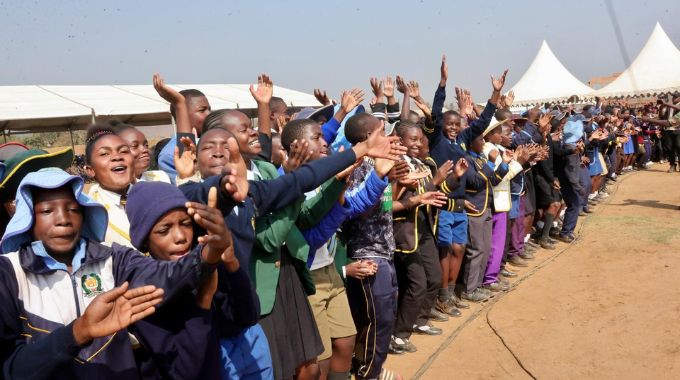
(118,229)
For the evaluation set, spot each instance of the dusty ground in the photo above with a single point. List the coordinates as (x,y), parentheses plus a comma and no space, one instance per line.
(606,307)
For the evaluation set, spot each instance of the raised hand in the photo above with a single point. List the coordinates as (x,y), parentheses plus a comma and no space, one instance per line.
(264,91)
(500,82)
(460,168)
(218,243)
(544,122)
(185,165)
(380,146)
(401,84)
(444,72)
(115,310)
(465,102)
(423,107)
(377,88)
(442,173)
(351,99)
(508,156)
(388,87)
(234,175)
(321,96)
(509,99)
(281,121)
(432,198)
(166,92)
(299,154)
(413,89)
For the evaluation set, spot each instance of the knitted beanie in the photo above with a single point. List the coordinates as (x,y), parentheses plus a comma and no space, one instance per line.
(147,202)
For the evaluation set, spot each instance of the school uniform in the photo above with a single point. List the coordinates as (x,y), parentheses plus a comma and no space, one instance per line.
(265,197)
(41,298)
(452,228)
(416,256)
(481,177)
(118,229)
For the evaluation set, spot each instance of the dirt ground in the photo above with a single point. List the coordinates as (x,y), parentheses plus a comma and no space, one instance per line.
(605,307)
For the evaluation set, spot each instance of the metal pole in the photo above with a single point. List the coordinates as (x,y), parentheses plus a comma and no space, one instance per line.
(70,132)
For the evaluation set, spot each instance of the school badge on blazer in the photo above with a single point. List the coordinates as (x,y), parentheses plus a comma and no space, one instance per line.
(91,284)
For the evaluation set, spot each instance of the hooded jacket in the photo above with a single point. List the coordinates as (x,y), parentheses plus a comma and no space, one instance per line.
(41,299)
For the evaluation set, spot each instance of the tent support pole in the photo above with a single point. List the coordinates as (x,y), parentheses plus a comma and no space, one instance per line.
(70,132)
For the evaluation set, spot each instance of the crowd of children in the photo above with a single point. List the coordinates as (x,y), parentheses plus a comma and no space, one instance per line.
(310,247)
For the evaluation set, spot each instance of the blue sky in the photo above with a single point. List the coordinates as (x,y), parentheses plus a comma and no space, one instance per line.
(308,44)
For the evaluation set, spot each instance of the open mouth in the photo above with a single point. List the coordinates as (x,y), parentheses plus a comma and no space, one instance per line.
(254,143)
(323,153)
(179,255)
(119,169)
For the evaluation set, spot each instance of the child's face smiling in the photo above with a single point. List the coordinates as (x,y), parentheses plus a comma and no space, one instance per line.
(111,164)
(412,140)
(139,147)
(171,237)
(317,144)
(58,220)
(248,142)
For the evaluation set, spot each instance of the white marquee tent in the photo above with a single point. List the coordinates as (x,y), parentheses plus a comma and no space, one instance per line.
(655,70)
(62,108)
(547,80)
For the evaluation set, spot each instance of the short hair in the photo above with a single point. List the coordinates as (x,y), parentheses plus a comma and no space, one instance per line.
(294,130)
(451,112)
(356,127)
(95,132)
(502,114)
(403,126)
(275,101)
(156,151)
(188,94)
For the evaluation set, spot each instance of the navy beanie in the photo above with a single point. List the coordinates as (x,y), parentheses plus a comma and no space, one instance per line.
(147,202)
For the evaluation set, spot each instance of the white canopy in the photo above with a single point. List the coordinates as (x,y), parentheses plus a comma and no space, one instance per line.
(547,80)
(60,108)
(655,70)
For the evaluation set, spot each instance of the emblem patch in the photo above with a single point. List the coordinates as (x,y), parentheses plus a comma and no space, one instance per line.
(91,284)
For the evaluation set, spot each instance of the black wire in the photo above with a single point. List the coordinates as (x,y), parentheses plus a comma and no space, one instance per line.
(619,39)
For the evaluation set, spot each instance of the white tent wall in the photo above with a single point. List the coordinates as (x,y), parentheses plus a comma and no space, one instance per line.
(655,70)
(28,109)
(547,80)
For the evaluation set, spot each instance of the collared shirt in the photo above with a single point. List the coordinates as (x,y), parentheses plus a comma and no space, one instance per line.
(154,176)
(118,229)
(51,263)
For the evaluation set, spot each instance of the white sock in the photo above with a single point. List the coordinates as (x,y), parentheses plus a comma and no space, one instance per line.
(540,224)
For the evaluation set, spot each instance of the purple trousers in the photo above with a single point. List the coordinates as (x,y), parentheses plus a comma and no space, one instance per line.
(498,234)
(517,232)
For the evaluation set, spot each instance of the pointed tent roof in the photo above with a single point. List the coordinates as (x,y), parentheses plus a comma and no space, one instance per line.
(546,80)
(655,70)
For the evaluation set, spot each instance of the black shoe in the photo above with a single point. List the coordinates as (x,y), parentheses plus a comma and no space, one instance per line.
(545,244)
(427,330)
(582,213)
(458,303)
(587,210)
(437,316)
(566,238)
(507,274)
(395,349)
